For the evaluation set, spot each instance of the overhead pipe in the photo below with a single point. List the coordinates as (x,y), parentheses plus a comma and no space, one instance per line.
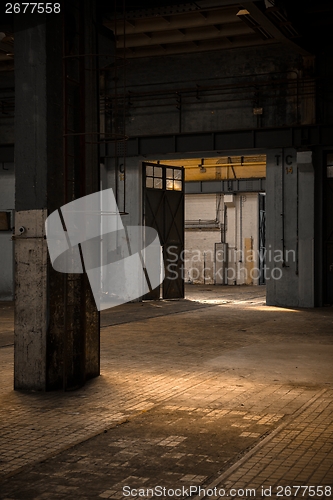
(224,223)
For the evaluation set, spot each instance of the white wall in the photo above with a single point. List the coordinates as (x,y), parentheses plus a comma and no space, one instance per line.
(242,227)
(199,253)
(200,244)
(200,206)
(242,224)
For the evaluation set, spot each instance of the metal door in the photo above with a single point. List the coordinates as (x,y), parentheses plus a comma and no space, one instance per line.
(328,231)
(262,238)
(163,190)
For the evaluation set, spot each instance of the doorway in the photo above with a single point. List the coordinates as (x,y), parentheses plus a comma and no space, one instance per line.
(163,202)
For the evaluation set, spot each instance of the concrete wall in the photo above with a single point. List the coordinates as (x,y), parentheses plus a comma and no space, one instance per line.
(241,235)
(7,203)
(290,208)
(202,206)
(199,261)
(127,188)
(224,110)
(199,255)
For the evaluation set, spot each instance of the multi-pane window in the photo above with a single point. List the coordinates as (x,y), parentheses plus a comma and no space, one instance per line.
(161,177)
(174,179)
(330,165)
(154,177)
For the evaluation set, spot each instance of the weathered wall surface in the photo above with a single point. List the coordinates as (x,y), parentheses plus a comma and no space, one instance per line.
(199,258)
(216,91)
(31,298)
(56,319)
(290,212)
(241,235)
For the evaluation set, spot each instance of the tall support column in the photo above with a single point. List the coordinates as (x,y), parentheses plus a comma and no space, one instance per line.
(56,321)
(290,231)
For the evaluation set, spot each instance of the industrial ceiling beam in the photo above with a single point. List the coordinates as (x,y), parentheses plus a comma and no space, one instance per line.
(207,4)
(268,25)
(178,21)
(220,43)
(203,33)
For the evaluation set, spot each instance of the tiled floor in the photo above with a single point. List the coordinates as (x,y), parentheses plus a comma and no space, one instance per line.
(219,392)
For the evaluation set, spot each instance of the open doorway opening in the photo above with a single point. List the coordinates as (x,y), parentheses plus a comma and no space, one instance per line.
(224,219)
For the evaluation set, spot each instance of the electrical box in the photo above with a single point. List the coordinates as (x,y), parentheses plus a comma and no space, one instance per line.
(229,200)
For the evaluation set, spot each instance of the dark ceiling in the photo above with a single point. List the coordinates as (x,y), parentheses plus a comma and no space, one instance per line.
(155,29)
(149,28)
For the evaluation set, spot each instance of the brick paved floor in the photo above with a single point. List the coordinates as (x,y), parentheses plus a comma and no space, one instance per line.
(299,453)
(187,397)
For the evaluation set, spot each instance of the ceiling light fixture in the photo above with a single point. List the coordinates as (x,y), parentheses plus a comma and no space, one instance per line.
(243,12)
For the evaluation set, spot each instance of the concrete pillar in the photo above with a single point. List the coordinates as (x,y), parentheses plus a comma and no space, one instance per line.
(306,230)
(290,208)
(56,321)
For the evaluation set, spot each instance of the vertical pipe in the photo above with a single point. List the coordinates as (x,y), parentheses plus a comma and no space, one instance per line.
(283,213)
(115,108)
(82,93)
(236,240)
(224,223)
(124,101)
(297,220)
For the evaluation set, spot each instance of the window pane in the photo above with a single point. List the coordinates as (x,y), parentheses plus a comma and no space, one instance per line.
(330,160)
(169,184)
(177,174)
(149,170)
(169,173)
(330,165)
(158,183)
(149,182)
(157,171)
(178,185)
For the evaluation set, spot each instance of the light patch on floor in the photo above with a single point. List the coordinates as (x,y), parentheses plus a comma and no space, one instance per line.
(282,362)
